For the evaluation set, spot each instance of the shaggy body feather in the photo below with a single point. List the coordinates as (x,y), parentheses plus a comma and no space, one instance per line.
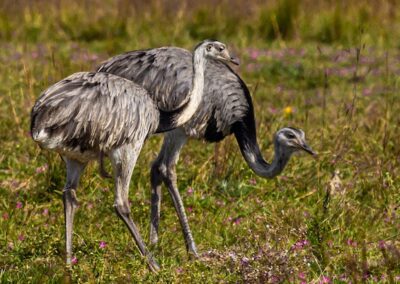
(89,113)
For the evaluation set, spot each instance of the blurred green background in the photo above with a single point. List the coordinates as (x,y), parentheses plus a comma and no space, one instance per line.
(329,67)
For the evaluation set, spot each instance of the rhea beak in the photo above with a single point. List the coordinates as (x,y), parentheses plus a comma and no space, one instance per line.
(234,60)
(308,149)
(227,57)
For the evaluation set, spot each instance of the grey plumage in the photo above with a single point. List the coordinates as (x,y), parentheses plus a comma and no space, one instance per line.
(92,112)
(226,108)
(166,73)
(88,115)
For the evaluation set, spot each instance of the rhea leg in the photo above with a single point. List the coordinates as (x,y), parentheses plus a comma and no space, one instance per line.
(163,169)
(156,182)
(74,171)
(124,160)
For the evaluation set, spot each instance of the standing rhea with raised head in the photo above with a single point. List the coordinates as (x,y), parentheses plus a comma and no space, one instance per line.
(88,115)
(226,108)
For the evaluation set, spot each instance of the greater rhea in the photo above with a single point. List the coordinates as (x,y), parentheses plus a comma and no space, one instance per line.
(88,115)
(226,108)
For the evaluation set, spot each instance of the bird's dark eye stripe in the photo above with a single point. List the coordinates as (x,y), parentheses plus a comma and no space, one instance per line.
(290,135)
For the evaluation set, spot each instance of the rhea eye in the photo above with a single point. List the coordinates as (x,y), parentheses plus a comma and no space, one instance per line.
(290,135)
(209,47)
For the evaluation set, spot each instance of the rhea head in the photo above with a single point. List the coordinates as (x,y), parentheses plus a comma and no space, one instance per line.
(217,50)
(291,140)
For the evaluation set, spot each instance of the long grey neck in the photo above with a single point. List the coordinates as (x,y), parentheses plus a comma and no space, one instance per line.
(196,93)
(247,141)
(257,163)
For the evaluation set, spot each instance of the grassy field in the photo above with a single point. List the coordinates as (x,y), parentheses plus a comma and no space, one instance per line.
(330,68)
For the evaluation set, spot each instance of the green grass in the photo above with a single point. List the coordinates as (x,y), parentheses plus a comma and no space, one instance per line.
(338,69)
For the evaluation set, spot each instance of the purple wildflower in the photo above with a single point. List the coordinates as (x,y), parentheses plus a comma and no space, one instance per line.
(245,261)
(254,54)
(325,280)
(190,191)
(21,237)
(74,260)
(351,243)
(237,221)
(18,205)
(300,244)
(102,244)
(45,212)
(252,181)
(273,110)
(42,169)
(302,276)
(233,256)
(6,216)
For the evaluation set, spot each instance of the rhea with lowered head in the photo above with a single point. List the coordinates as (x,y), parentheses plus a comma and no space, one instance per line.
(226,108)
(88,115)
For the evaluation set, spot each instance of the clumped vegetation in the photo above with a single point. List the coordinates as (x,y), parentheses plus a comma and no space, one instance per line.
(329,67)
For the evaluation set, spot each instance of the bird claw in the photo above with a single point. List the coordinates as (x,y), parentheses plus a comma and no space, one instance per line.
(153,265)
(193,255)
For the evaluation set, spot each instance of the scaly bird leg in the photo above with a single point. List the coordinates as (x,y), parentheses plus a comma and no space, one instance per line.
(164,169)
(123,160)
(74,171)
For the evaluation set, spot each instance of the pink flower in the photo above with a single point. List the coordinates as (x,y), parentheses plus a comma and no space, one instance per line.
(189,191)
(102,244)
(74,260)
(237,221)
(190,209)
(21,237)
(19,205)
(254,54)
(302,275)
(6,216)
(252,181)
(45,212)
(179,270)
(381,244)
(325,280)
(245,261)
(351,243)
(228,220)
(42,169)
(300,244)
(273,110)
